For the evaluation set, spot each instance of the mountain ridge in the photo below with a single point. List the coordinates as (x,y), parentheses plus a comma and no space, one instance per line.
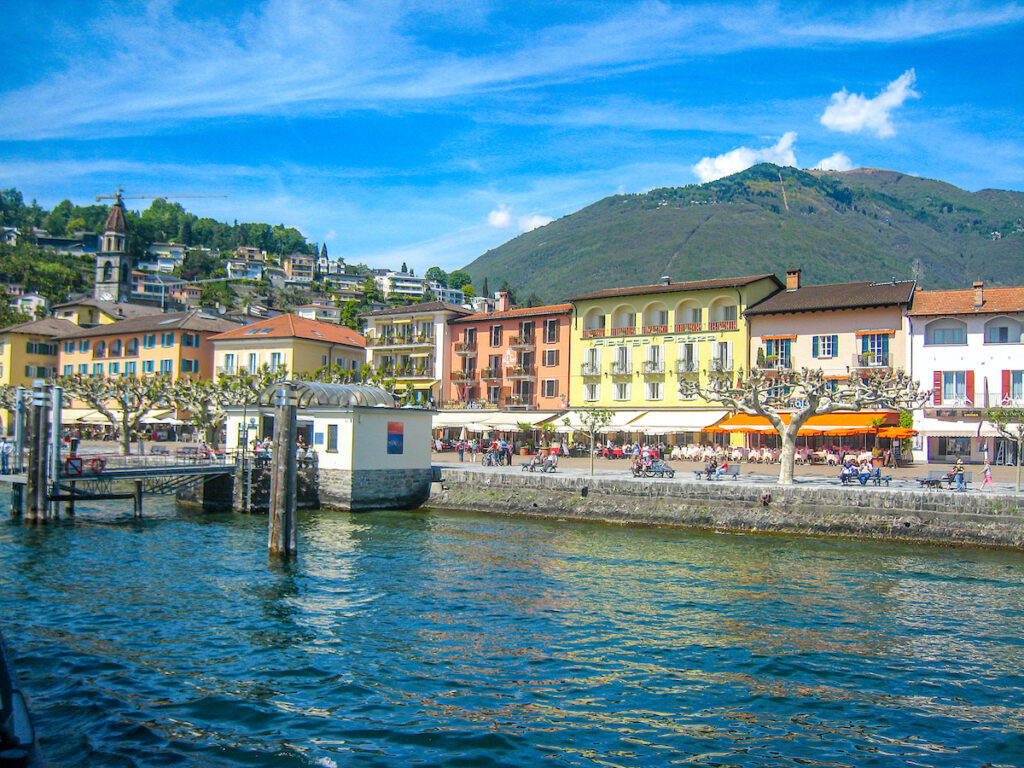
(838,226)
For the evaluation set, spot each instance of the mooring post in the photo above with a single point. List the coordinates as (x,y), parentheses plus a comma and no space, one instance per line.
(56,428)
(283,478)
(20,414)
(138,498)
(38,438)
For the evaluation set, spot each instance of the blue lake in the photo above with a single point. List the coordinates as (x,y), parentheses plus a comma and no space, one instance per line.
(446,639)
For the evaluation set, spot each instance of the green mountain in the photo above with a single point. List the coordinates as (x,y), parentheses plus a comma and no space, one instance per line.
(864,224)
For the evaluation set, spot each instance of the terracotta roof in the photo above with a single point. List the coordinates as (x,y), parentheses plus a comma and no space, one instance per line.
(194,320)
(115,219)
(550,309)
(113,308)
(293,326)
(994,300)
(692,285)
(816,298)
(48,326)
(412,309)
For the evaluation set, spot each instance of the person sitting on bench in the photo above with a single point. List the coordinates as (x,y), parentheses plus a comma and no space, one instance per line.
(711,468)
(535,461)
(848,472)
(722,469)
(551,461)
(865,472)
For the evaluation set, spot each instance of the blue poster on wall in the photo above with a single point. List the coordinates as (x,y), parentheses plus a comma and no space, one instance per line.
(396,436)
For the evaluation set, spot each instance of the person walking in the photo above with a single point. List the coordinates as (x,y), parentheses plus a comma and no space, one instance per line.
(958,475)
(462,449)
(6,449)
(986,478)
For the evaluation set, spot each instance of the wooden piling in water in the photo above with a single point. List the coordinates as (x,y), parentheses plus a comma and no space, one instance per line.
(283,478)
(138,498)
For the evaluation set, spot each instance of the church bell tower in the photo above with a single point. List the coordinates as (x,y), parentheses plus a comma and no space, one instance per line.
(112,263)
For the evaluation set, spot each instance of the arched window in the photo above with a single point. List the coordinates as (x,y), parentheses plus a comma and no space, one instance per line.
(655,318)
(593,323)
(108,271)
(689,316)
(624,321)
(945,332)
(1002,330)
(723,315)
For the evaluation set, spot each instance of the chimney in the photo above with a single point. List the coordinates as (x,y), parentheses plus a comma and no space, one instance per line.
(666,280)
(979,295)
(793,279)
(504,302)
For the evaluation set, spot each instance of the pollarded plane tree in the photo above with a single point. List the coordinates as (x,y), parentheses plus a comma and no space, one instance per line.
(803,394)
(123,400)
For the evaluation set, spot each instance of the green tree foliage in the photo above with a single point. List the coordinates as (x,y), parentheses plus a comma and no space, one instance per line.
(438,274)
(459,279)
(123,400)
(53,275)
(484,290)
(214,293)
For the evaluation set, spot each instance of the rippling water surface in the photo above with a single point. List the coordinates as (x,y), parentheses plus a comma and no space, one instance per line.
(437,639)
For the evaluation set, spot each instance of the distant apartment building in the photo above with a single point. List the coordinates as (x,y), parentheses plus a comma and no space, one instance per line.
(324,312)
(401,284)
(512,359)
(297,344)
(328,267)
(32,304)
(29,351)
(87,313)
(163,257)
(413,345)
(152,288)
(298,268)
(250,253)
(442,293)
(244,269)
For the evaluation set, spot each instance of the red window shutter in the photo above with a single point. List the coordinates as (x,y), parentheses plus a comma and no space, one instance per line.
(937,390)
(970,387)
(1007,387)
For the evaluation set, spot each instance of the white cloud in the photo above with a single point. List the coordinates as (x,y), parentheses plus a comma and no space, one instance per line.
(527,223)
(853,112)
(741,158)
(500,218)
(837,161)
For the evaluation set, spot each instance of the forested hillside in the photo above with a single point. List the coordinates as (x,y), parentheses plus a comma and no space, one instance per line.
(838,226)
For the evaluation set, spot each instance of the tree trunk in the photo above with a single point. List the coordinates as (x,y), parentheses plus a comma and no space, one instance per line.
(787,460)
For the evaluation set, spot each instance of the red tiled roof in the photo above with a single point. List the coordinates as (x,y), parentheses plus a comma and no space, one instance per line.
(692,285)
(293,326)
(550,309)
(961,302)
(115,219)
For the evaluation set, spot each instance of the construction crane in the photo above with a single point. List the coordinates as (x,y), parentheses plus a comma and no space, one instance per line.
(119,196)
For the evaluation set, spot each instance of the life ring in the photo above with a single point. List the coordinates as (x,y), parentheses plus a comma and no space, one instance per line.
(97,465)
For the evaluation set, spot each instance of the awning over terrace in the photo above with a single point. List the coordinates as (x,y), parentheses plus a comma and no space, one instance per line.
(861,422)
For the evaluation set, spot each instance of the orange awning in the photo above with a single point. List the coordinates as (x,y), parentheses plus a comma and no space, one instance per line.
(889,331)
(897,433)
(773,338)
(861,422)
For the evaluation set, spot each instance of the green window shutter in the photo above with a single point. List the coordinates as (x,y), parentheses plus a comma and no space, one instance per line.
(835,345)
(814,346)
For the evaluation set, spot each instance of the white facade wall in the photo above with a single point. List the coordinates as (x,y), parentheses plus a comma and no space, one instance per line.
(980,364)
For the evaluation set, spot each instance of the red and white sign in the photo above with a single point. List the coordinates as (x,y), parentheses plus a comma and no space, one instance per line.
(73,466)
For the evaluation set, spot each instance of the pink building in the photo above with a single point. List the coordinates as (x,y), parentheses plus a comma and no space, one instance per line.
(511,359)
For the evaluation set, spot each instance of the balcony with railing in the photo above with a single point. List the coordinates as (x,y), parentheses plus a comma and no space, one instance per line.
(520,403)
(721,364)
(593,333)
(522,343)
(625,330)
(402,340)
(622,369)
(654,367)
(647,329)
(870,360)
(520,372)
(99,352)
(464,376)
(723,325)
(686,367)
(590,369)
(464,348)
(689,327)
(490,374)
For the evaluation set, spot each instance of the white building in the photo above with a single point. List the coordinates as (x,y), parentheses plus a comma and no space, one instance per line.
(244,269)
(163,257)
(441,293)
(401,284)
(967,346)
(324,312)
(31,304)
(328,267)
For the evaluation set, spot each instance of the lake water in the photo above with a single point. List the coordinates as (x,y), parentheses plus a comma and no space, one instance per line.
(447,639)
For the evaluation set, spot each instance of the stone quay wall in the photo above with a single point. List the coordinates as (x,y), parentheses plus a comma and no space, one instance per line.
(365,489)
(875,513)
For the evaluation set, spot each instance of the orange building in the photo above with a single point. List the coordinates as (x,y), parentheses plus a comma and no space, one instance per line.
(175,344)
(511,359)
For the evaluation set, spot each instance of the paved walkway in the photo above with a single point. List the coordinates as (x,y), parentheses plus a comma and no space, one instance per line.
(903,478)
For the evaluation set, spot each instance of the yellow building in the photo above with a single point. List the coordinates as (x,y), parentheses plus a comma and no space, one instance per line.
(298,344)
(632,346)
(29,351)
(92,312)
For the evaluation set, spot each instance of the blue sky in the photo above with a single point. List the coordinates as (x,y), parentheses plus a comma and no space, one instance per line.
(430,131)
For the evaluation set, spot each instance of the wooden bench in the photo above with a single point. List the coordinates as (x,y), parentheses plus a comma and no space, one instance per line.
(733,471)
(936,477)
